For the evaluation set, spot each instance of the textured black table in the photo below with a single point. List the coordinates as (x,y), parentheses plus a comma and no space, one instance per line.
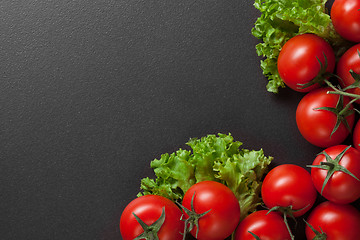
(92,91)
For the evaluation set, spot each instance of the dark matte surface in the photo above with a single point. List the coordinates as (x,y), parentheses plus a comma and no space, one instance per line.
(92,91)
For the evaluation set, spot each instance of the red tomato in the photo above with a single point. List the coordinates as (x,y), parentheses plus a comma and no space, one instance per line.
(149,209)
(350,60)
(263,225)
(356,135)
(337,221)
(317,125)
(224,214)
(289,185)
(345,17)
(341,187)
(298,61)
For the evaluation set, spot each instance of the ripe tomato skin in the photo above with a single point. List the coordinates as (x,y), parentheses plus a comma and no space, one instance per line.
(149,208)
(338,221)
(350,60)
(316,125)
(224,215)
(298,60)
(346,19)
(341,187)
(356,135)
(289,185)
(267,226)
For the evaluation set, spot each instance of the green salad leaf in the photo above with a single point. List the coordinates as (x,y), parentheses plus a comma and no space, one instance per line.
(281,20)
(213,157)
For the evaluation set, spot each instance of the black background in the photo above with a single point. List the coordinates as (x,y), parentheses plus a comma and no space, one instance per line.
(92,91)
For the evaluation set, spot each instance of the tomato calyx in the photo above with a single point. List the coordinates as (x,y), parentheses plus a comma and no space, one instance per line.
(318,235)
(193,218)
(341,113)
(286,211)
(344,92)
(332,166)
(150,231)
(356,84)
(320,77)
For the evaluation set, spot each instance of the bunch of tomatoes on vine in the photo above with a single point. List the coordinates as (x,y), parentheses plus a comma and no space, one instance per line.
(326,117)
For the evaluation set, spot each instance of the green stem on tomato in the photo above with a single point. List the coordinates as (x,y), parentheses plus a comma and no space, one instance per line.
(150,231)
(193,218)
(286,211)
(318,235)
(339,92)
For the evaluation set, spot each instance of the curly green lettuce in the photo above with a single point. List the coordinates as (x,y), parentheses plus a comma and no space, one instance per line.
(281,20)
(213,157)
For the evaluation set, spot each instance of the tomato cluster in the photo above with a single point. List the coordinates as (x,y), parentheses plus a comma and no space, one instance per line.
(326,117)
(289,190)
(307,63)
(209,211)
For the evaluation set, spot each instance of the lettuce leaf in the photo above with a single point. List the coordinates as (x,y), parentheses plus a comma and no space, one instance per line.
(218,158)
(281,20)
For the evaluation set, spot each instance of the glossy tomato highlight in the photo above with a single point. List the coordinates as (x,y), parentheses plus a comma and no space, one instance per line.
(149,209)
(337,221)
(289,185)
(317,125)
(221,205)
(341,187)
(304,60)
(264,224)
(345,16)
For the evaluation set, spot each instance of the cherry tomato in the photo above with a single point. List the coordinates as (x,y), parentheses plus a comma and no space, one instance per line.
(350,60)
(223,209)
(316,125)
(298,62)
(289,185)
(341,187)
(264,224)
(356,135)
(345,17)
(337,221)
(149,209)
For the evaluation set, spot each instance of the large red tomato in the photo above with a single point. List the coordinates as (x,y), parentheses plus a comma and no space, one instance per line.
(345,17)
(356,135)
(317,124)
(336,162)
(337,221)
(149,208)
(264,224)
(350,60)
(298,62)
(289,185)
(220,207)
